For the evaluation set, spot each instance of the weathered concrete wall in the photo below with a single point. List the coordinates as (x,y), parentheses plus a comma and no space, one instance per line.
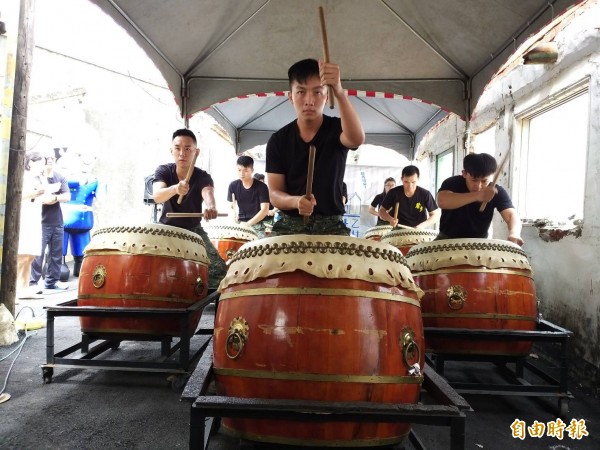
(565,262)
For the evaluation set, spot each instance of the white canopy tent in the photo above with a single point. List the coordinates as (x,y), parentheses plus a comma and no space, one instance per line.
(406,63)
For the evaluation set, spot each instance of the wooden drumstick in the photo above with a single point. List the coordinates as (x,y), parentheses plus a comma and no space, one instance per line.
(396,208)
(326,53)
(496,176)
(233,201)
(174,214)
(189,175)
(309,178)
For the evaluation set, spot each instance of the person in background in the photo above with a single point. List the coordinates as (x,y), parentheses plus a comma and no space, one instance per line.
(30,228)
(169,184)
(461,196)
(251,196)
(270,219)
(388,184)
(416,205)
(52,229)
(288,152)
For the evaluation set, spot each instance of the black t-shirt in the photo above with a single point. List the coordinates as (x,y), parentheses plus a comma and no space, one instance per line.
(287,154)
(377,200)
(411,211)
(467,221)
(52,214)
(192,201)
(248,200)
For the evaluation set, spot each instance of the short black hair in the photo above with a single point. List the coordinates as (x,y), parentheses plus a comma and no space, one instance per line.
(259,176)
(245,161)
(479,165)
(303,70)
(184,132)
(409,171)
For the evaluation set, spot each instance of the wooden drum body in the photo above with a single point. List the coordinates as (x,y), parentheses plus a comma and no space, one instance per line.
(403,239)
(227,238)
(475,284)
(376,233)
(149,266)
(325,318)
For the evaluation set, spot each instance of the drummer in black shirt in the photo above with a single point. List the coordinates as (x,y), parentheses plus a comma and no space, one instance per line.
(461,196)
(169,184)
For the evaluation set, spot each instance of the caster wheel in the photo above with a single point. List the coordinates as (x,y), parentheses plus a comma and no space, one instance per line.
(47,375)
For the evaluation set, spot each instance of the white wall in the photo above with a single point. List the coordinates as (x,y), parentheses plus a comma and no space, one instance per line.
(567,274)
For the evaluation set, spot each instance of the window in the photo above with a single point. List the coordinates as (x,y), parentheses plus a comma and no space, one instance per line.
(554,144)
(444,167)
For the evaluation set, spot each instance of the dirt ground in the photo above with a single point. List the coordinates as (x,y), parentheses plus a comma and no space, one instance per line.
(88,408)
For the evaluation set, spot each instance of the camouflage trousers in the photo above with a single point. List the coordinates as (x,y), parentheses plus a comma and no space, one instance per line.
(316,225)
(217,268)
(259,228)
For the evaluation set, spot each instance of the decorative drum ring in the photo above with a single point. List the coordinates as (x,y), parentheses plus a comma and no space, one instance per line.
(457,296)
(410,348)
(198,286)
(229,253)
(99,276)
(236,337)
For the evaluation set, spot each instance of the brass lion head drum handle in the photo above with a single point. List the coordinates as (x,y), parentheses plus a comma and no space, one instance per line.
(411,353)
(99,276)
(457,296)
(198,286)
(236,337)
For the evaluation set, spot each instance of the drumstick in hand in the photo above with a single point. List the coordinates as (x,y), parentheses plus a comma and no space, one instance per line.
(189,175)
(484,204)
(174,214)
(396,208)
(326,54)
(309,178)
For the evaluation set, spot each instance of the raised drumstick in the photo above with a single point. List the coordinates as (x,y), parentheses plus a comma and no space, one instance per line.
(484,204)
(326,53)
(189,175)
(309,178)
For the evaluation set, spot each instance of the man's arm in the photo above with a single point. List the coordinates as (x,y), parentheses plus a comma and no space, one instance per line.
(260,215)
(353,134)
(210,209)
(453,200)
(514,225)
(162,193)
(373,211)
(434,217)
(384,215)
(282,200)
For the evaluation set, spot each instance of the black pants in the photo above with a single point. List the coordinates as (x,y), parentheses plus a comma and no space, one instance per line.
(52,238)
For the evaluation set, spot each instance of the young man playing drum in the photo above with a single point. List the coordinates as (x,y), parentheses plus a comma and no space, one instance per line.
(252,196)
(461,196)
(416,206)
(170,183)
(288,153)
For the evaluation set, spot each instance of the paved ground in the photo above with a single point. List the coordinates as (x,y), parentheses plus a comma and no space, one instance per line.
(105,409)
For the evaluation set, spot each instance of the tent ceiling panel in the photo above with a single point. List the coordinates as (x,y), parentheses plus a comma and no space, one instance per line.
(213,50)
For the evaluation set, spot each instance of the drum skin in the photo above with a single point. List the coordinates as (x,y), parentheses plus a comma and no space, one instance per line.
(114,279)
(314,338)
(227,239)
(403,239)
(473,296)
(376,233)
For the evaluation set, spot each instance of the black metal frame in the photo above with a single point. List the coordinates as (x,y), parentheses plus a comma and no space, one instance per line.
(108,341)
(516,383)
(449,412)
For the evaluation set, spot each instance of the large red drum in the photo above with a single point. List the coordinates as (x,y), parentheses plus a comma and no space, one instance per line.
(228,238)
(481,284)
(149,266)
(376,233)
(403,239)
(326,318)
